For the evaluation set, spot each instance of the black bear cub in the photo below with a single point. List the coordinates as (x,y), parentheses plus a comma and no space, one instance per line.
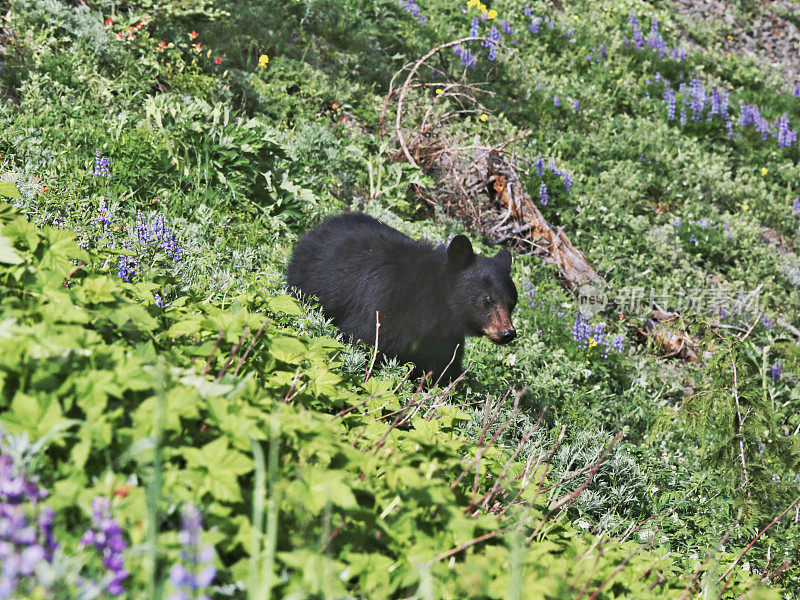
(427,298)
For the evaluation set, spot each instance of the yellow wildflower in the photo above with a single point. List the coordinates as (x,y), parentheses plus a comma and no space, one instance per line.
(576,17)
(484,118)
(439,91)
(730,37)
(492,14)
(263,61)
(472,3)
(745,206)
(764,171)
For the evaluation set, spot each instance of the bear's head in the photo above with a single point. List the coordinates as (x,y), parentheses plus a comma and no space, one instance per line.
(483,295)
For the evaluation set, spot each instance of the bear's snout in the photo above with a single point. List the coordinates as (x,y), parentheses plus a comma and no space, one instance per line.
(507,335)
(500,328)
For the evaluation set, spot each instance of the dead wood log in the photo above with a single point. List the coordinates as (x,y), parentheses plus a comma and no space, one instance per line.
(668,336)
(509,192)
(478,182)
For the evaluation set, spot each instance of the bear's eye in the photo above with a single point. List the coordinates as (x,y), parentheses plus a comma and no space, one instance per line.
(487,300)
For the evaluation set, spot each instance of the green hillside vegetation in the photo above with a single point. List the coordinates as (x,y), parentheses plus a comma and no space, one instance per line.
(173,424)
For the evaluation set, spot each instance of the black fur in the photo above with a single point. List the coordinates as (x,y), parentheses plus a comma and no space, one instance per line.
(428,298)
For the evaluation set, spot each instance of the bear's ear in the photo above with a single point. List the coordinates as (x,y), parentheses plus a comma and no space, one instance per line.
(459,253)
(504,258)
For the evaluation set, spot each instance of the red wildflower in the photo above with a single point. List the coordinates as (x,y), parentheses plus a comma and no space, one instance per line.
(123,491)
(108,22)
(217,59)
(192,34)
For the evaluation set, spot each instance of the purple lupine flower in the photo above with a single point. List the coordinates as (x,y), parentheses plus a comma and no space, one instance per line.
(534,26)
(746,116)
(155,232)
(159,300)
(618,342)
(192,576)
(543,194)
(785,135)
(776,371)
(796,92)
(527,12)
(796,206)
(565,177)
(506,28)
(767,322)
(638,41)
(683,116)
(669,101)
(106,536)
(494,39)
(467,59)
(716,103)
(599,338)
(751,116)
(126,268)
(697,97)
(530,293)
(677,222)
(693,239)
(416,11)
(556,101)
(101,165)
(473,29)
(576,105)
(581,330)
(654,39)
(26,532)
(538,162)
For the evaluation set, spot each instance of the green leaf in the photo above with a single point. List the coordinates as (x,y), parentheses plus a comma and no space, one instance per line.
(8,255)
(189,325)
(326,486)
(287,349)
(284,304)
(9,190)
(35,416)
(8,212)
(322,380)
